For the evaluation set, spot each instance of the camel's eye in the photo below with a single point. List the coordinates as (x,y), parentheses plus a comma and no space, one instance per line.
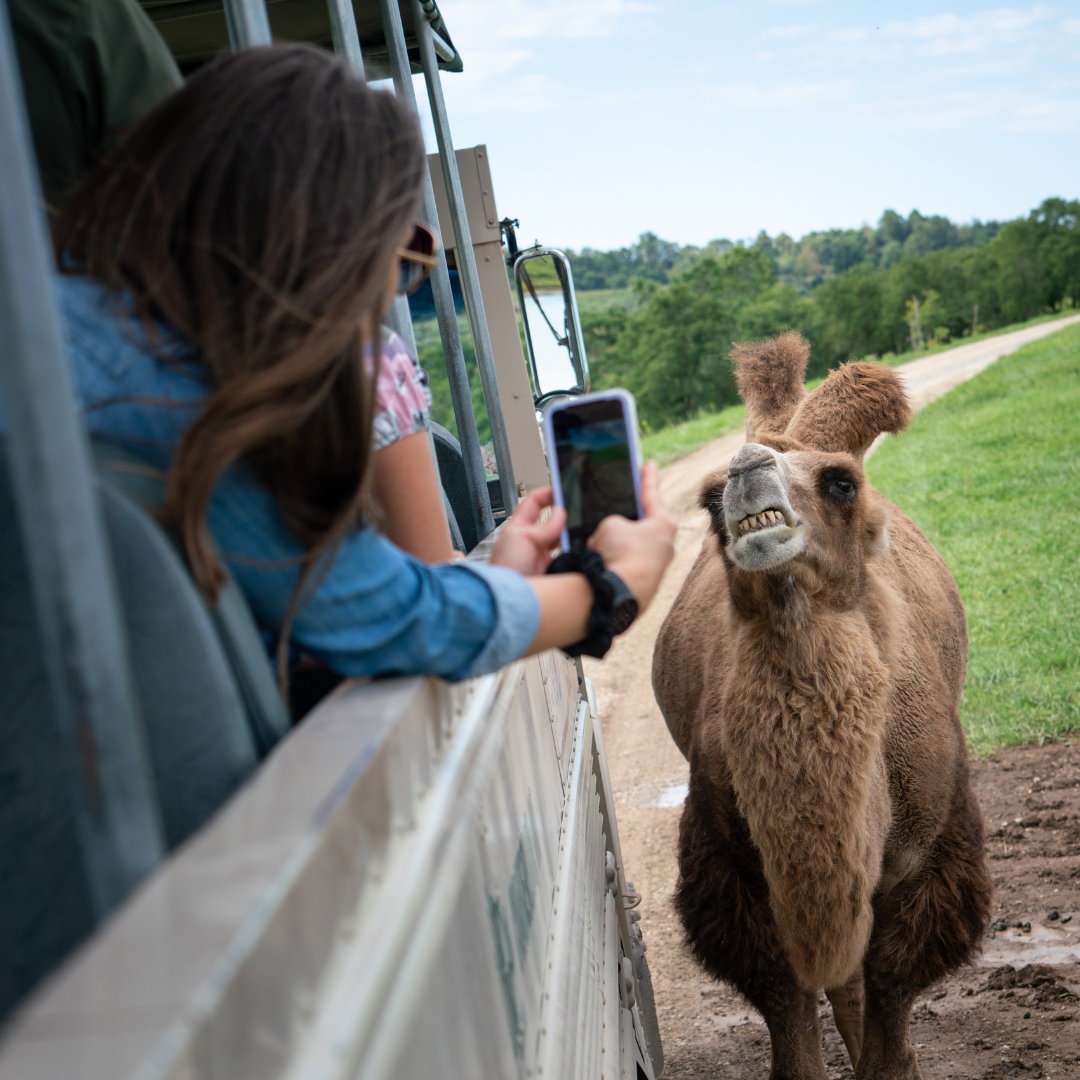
(838,484)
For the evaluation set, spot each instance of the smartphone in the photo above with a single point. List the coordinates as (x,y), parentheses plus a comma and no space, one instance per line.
(595,461)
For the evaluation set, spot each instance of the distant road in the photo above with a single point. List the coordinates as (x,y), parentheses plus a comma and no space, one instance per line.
(935,375)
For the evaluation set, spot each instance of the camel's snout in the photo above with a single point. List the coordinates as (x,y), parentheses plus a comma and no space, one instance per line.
(751,456)
(764,529)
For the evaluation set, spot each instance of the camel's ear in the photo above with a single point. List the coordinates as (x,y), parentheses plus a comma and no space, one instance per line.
(711,498)
(769,375)
(712,489)
(847,412)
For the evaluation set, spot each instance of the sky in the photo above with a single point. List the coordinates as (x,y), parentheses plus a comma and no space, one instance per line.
(697,121)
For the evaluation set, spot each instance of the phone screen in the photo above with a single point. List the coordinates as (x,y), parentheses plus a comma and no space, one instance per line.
(593,450)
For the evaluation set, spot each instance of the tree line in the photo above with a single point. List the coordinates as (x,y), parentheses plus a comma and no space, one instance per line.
(866,292)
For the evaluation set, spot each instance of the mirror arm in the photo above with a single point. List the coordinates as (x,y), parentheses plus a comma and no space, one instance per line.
(507,227)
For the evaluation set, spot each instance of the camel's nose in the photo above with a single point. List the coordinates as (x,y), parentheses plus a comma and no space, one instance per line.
(751,456)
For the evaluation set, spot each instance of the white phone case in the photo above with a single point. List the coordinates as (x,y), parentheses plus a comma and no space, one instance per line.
(629,406)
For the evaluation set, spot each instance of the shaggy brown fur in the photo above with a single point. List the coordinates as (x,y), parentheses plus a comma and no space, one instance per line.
(831,838)
(847,412)
(769,375)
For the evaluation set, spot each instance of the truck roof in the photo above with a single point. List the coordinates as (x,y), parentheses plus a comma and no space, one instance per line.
(195,30)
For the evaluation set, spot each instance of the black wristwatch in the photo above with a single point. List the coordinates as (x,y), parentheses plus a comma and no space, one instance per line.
(614,606)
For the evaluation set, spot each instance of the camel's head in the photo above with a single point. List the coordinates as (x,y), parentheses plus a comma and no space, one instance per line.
(794,501)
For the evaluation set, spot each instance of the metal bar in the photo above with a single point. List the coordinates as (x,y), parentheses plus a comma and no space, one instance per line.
(248,23)
(442,48)
(82,635)
(466,258)
(445,311)
(343,31)
(399,319)
(347,43)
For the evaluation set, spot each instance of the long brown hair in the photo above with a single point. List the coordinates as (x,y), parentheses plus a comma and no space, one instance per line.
(257,211)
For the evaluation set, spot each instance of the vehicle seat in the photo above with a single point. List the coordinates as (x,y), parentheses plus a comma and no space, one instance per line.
(198,722)
(455,485)
(236,629)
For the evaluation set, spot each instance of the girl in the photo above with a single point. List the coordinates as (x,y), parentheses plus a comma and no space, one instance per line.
(223,276)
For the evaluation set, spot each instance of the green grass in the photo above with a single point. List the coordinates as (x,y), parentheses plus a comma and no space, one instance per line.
(991,473)
(601,299)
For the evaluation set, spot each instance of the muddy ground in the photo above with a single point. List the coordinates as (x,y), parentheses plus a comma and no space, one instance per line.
(985,1023)
(1014,1014)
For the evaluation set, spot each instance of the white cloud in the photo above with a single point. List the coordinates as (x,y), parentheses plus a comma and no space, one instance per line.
(552,20)
(855,34)
(943,34)
(790,31)
(784,94)
(1071,26)
(499,43)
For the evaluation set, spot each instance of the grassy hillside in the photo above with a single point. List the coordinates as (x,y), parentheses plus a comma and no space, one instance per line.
(991,473)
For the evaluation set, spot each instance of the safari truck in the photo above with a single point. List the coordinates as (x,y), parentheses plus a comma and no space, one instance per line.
(418,879)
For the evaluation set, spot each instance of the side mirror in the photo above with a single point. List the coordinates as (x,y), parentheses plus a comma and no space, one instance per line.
(545,288)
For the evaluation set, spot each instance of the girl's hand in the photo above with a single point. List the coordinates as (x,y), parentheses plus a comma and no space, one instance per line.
(523,544)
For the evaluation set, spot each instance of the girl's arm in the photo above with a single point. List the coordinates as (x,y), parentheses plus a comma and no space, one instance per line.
(408,493)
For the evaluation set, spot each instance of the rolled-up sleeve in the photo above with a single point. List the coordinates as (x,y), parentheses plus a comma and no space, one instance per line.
(375,610)
(517,618)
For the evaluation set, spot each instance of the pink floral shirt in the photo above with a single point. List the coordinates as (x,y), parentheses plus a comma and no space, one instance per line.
(402,397)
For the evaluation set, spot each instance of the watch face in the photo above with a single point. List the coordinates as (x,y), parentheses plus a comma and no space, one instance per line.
(623,615)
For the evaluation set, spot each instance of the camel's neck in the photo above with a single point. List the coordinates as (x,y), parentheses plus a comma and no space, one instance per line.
(783,614)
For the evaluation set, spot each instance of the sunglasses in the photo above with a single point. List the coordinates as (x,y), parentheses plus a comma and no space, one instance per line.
(417,259)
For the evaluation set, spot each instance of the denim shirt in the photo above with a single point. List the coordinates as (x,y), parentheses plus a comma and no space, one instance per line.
(375,609)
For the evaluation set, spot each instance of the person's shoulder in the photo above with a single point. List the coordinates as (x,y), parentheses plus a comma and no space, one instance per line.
(108,343)
(394,346)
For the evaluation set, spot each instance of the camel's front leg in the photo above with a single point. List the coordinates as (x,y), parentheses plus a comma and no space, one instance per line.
(925,928)
(723,901)
(792,1018)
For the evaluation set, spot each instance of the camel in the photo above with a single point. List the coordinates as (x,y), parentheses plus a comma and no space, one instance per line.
(810,671)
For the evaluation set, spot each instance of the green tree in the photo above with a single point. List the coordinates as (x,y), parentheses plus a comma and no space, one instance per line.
(673,350)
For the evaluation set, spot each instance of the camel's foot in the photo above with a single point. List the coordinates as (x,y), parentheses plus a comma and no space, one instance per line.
(898,1064)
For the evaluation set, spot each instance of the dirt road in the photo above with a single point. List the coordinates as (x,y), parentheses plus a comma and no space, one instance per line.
(706,1029)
